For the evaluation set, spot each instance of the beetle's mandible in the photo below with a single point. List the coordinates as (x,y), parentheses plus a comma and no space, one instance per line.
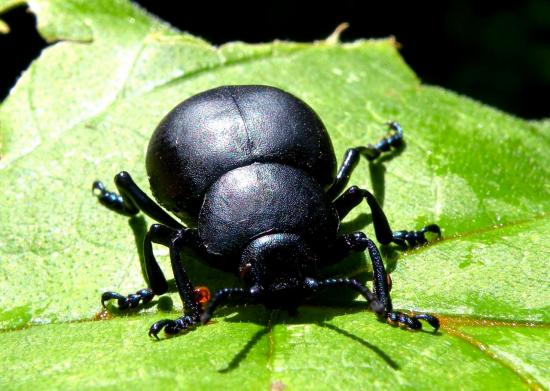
(251,171)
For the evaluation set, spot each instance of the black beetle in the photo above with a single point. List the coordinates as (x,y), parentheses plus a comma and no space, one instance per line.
(254,170)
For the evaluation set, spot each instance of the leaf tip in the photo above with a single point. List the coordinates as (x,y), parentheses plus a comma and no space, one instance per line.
(394,42)
(334,38)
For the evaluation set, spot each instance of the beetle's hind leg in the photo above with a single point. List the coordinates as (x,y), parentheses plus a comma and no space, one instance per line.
(131,200)
(370,152)
(353,197)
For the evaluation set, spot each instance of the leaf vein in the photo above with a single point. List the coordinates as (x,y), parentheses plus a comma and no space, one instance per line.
(495,357)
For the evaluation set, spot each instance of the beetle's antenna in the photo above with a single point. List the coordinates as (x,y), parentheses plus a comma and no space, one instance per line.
(221,296)
(375,305)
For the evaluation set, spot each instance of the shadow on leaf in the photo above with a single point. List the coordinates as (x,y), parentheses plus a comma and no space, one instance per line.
(372,347)
(251,314)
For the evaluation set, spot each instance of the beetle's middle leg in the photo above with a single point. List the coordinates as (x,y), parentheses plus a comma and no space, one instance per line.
(353,197)
(157,282)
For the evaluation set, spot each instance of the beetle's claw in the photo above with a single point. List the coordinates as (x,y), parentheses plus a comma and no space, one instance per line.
(106,296)
(412,322)
(158,326)
(131,301)
(432,320)
(98,188)
(395,128)
(172,327)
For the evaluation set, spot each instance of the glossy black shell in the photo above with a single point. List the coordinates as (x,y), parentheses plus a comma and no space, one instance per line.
(228,127)
(262,199)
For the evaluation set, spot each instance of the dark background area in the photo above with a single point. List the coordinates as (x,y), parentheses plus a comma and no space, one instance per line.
(498,55)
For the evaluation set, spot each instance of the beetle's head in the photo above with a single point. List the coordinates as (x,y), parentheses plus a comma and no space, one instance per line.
(276,268)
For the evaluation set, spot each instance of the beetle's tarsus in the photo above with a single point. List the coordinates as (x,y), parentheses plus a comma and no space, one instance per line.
(412,322)
(173,327)
(130,199)
(131,301)
(414,238)
(399,318)
(394,140)
(112,200)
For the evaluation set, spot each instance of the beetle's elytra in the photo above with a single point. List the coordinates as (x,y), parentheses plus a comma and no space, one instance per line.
(251,170)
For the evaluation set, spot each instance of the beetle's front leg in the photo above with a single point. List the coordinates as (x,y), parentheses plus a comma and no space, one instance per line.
(157,282)
(191,318)
(358,241)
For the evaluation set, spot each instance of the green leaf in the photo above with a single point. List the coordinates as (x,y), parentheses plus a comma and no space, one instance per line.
(85,109)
